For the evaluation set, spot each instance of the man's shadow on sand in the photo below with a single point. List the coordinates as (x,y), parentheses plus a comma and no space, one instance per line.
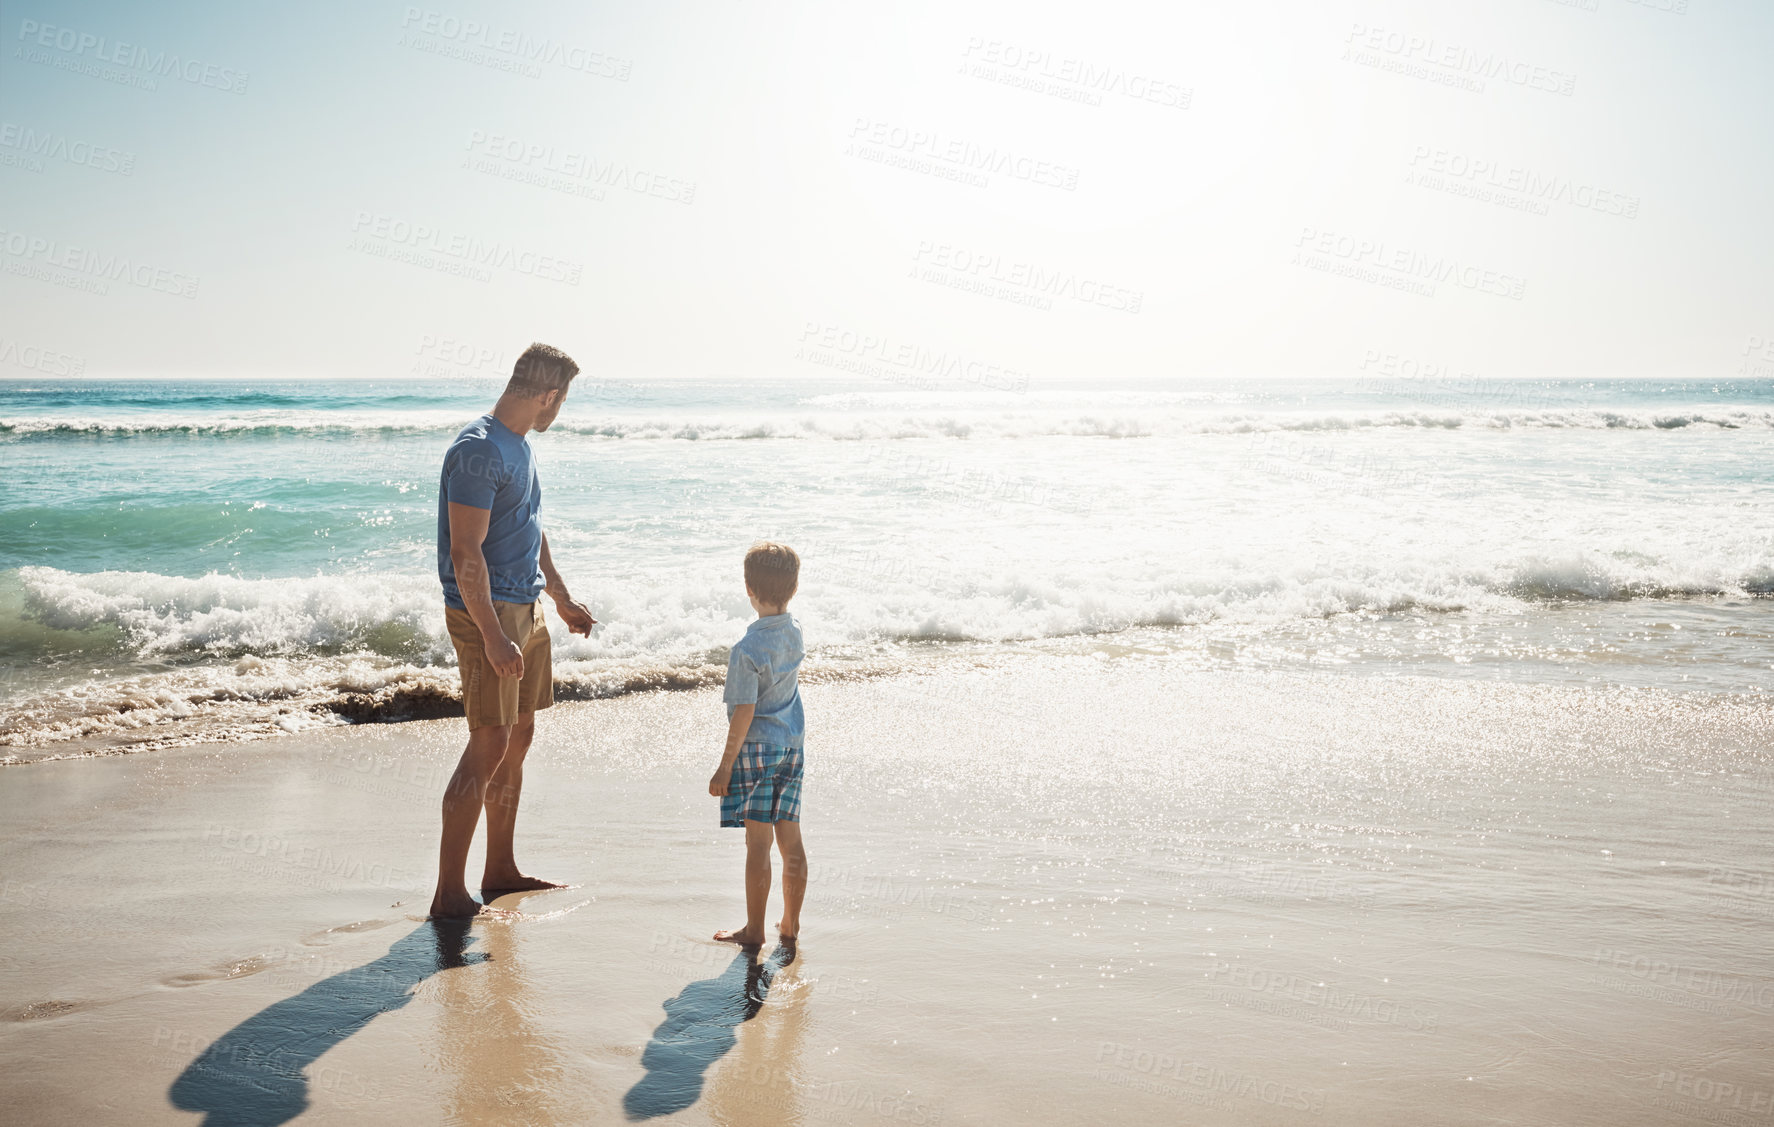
(253,1075)
(701,1024)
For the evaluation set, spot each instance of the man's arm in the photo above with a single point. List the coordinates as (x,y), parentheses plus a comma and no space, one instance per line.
(574,613)
(737,727)
(468,529)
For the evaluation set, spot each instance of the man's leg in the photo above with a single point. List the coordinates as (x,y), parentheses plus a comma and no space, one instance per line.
(461,812)
(794,877)
(758,836)
(501,873)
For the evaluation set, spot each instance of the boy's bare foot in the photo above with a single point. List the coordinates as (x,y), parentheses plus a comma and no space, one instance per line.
(744,936)
(788,932)
(515,882)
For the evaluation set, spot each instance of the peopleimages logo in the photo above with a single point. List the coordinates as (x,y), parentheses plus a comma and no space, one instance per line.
(1758,360)
(54,146)
(1207,1078)
(1379,261)
(871,139)
(465,250)
(460,355)
(1319,999)
(1444,169)
(1424,56)
(1066,77)
(45,360)
(91,265)
(518,48)
(1022,283)
(270,855)
(1699,982)
(572,165)
(899,360)
(1702,1097)
(89,48)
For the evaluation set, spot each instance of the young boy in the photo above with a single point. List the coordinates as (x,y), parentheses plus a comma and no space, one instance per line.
(759,779)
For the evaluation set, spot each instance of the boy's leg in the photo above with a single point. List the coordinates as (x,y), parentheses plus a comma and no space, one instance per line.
(461,812)
(501,873)
(758,836)
(794,877)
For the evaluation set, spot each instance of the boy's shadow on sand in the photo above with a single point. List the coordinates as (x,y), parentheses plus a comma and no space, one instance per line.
(252,1076)
(701,1024)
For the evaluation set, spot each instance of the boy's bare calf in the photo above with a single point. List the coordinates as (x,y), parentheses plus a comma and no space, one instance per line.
(758,837)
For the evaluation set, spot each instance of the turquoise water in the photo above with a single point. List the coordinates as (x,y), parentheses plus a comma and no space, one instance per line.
(256,552)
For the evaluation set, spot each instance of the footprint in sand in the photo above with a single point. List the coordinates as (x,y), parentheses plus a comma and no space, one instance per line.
(240,968)
(328,935)
(243,968)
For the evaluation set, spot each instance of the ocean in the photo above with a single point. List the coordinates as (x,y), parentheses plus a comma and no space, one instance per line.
(196,561)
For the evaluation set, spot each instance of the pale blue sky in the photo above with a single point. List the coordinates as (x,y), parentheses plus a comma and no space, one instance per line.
(771,211)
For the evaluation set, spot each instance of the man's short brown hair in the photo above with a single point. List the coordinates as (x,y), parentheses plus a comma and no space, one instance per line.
(541,369)
(773,572)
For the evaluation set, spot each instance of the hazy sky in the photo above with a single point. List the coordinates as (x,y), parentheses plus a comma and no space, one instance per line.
(1508,187)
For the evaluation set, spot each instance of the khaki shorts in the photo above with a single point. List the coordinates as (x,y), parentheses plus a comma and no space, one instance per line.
(490,700)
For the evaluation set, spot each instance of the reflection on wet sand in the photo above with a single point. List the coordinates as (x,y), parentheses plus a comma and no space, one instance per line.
(763,1083)
(501,1069)
(257,1074)
(701,1025)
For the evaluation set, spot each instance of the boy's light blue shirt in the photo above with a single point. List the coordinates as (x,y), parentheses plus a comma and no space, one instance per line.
(762,670)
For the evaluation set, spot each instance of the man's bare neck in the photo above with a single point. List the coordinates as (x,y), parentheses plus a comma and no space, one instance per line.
(517,413)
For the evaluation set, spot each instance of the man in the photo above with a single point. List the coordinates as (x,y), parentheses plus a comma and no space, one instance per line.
(493,559)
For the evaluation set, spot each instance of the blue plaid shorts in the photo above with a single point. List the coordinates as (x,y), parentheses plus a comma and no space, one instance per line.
(765,786)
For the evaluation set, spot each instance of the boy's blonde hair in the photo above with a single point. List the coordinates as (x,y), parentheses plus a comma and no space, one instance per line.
(773,572)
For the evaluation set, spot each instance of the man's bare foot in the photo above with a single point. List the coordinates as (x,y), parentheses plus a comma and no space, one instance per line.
(456,906)
(515,882)
(787,932)
(744,936)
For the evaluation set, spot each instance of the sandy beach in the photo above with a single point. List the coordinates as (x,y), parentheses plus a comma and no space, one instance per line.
(1239,537)
(1054,891)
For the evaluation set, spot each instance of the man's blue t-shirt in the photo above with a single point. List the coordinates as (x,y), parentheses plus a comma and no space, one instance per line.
(491,467)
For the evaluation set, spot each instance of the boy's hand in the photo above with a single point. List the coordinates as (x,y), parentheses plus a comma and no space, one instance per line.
(737,724)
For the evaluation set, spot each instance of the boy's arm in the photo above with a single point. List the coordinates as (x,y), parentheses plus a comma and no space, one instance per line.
(737,727)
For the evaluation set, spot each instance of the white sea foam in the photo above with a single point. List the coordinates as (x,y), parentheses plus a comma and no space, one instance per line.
(225,616)
(251,658)
(1347,520)
(688,614)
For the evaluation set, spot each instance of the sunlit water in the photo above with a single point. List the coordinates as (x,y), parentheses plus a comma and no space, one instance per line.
(189,558)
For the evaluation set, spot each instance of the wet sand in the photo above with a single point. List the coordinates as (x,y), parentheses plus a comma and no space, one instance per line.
(1072,891)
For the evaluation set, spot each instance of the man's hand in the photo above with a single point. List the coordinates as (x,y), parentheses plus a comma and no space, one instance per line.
(575,614)
(504,656)
(717,783)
